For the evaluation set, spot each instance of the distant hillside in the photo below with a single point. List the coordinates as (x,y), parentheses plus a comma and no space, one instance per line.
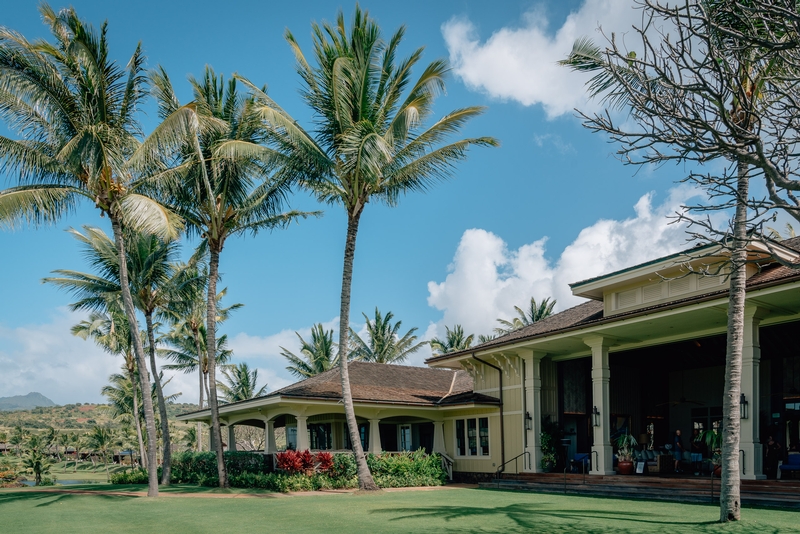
(71,416)
(24,402)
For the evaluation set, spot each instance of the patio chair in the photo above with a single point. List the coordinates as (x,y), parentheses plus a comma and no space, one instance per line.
(791,467)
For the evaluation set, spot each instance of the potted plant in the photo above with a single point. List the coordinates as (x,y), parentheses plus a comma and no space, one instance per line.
(625,445)
(548,462)
(713,441)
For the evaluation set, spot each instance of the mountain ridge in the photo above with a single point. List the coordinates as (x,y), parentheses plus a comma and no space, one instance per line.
(34,399)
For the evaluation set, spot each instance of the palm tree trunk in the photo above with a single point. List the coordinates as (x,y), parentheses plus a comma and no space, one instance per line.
(199,348)
(365,481)
(136,422)
(730,499)
(133,324)
(105,460)
(166,467)
(211,345)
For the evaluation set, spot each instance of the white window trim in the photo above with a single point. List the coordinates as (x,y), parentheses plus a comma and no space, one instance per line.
(466,437)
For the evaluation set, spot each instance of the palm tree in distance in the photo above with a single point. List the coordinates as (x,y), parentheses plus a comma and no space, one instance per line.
(155,279)
(535,312)
(182,350)
(242,383)
(75,111)
(454,341)
(384,344)
(101,439)
(110,331)
(370,143)
(316,356)
(225,188)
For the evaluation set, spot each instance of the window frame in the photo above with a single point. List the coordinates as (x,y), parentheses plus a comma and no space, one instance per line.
(465,428)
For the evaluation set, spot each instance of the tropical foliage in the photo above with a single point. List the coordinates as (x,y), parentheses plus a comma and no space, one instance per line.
(453,341)
(316,356)
(534,312)
(384,343)
(241,383)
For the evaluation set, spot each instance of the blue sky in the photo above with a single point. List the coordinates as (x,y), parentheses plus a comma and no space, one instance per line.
(551,206)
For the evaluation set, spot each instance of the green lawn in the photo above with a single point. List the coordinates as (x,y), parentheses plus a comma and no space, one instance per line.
(452,510)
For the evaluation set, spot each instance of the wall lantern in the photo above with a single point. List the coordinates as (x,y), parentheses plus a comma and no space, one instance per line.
(528,421)
(595,417)
(743,405)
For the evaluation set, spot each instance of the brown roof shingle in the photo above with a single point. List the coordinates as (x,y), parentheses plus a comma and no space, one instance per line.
(383,383)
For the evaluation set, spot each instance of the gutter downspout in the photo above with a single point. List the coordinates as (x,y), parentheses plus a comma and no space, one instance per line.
(502,431)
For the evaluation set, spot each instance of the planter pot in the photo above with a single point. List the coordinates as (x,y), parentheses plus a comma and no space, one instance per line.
(547,467)
(625,467)
(717,471)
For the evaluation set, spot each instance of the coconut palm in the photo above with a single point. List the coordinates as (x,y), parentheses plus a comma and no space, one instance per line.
(453,341)
(101,439)
(384,345)
(183,350)
(110,331)
(155,280)
(370,143)
(535,312)
(225,190)
(316,356)
(75,111)
(242,383)
(37,462)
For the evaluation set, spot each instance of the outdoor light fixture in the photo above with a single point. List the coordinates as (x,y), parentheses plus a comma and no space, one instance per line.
(595,417)
(743,407)
(528,421)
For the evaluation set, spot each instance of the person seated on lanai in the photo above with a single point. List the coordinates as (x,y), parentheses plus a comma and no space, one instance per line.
(773,456)
(677,451)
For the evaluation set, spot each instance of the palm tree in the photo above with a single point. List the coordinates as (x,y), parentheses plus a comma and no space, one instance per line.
(223,191)
(370,142)
(242,383)
(535,312)
(155,280)
(37,462)
(316,356)
(110,331)
(64,441)
(385,344)
(100,439)
(454,341)
(75,111)
(182,350)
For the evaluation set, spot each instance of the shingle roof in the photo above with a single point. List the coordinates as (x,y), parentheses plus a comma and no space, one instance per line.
(591,312)
(374,382)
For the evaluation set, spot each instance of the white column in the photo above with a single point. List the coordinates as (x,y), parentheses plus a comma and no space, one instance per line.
(302,433)
(374,436)
(603,461)
(752,462)
(269,437)
(231,439)
(438,437)
(533,407)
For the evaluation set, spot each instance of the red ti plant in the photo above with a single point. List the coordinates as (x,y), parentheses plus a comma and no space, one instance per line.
(324,461)
(290,461)
(306,459)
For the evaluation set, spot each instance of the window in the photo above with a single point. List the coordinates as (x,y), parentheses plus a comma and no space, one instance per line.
(472,437)
(405,437)
(320,436)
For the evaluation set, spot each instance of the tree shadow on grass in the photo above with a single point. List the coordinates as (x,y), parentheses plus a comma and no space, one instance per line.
(540,518)
(44,498)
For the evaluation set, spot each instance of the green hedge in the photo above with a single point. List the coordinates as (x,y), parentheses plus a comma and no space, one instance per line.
(253,470)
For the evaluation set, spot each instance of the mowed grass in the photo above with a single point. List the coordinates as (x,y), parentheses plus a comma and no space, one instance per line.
(448,510)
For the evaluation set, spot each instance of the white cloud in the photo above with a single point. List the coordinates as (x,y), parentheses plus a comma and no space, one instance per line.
(487,280)
(47,358)
(519,63)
